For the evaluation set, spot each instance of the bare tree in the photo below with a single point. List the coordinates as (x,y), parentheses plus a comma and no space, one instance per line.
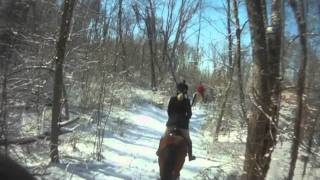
(167,29)
(262,125)
(176,25)
(238,59)
(13,22)
(4,101)
(149,19)
(298,9)
(58,77)
(199,34)
(230,40)
(151,33)
(120,44)
(230,73)
(233,64)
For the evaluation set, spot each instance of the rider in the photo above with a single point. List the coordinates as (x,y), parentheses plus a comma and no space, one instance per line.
(179,111)
(200,91)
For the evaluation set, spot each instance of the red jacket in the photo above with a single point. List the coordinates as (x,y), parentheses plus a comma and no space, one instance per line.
(200,89)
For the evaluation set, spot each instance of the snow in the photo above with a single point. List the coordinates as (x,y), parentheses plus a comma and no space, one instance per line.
(131,140)
(132,153)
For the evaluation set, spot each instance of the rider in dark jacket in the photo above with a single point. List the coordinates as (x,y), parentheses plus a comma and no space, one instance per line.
(179,112)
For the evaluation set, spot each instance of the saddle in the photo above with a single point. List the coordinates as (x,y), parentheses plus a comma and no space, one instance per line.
(174,132)
(173,137)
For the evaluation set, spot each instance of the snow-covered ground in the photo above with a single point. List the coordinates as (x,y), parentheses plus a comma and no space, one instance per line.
(131,153)
(131,140)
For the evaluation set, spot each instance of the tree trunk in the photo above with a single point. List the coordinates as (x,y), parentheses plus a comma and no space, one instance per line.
(229,39)
(121,45)
(151,33)
(223,107)
(58,77)
(275,37)
(238,61)
(264,12)
(230,74)
(197,60)
(298,9)
(118,45)
(4,101)
(153,72)
(262,123)
(283,44)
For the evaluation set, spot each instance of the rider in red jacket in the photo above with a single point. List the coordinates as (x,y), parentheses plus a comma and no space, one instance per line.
(200,91)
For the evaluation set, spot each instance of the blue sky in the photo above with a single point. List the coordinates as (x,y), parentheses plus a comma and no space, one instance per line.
(213,26)
(214,21)
(214,29)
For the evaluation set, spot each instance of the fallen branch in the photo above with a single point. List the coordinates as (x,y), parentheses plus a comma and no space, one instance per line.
(29,140)
(64,130)
(22,141)
(206,158)
(65,123)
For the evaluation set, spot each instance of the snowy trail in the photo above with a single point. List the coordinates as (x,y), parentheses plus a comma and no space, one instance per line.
(132,156)
(135,153)
(130,153)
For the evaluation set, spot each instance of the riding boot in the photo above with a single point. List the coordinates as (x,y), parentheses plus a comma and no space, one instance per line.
(191,157)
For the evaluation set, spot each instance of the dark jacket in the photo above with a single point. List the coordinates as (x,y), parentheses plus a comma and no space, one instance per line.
(179,113)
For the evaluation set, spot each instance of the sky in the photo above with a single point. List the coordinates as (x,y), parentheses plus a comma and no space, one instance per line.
(213,22)
(214,29)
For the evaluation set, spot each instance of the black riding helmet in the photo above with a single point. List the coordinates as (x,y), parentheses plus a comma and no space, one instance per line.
(182,87)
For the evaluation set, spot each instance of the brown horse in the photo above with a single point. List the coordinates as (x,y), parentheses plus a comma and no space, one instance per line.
(172,153)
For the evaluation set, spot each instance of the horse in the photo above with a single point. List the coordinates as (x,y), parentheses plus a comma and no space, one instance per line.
(172,152)
(196,98)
